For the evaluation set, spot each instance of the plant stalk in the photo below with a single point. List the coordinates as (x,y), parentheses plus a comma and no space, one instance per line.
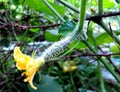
(104,62)
(72,82)
(100,12)
(82,14)
(53,10)
(101,78)
(100,7)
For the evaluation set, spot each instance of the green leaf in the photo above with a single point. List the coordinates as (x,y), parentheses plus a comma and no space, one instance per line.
(47,84)
(115,48)
(118,1)
(51,37)
(106,3)
(41,7)
(86,70)
(16,2)
(4,1)
(79,46)
(66,28)
(74,2)
(103,38)
(24,38)
(34,30)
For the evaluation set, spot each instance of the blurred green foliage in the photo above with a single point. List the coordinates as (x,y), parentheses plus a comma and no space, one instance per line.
(25,21)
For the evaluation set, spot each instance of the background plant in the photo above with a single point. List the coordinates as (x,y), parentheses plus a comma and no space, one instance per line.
(28,23)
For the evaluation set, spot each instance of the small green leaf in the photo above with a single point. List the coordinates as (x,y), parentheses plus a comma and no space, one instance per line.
(106,3)
(66,28)
(34,30)
(24,38)
(39,5)
(47,84)
(118,1)
(16,2)
(115,48)
(86,70)
(79,46)
(51,36)
(103,38)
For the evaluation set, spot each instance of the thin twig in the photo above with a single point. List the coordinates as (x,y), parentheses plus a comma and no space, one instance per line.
(105,55)
(24,27)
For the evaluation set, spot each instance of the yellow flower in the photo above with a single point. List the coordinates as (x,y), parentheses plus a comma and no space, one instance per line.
(27,63)
(69,66)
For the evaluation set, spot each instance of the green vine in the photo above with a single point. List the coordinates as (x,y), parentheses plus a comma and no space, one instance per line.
(82,14)
(100,7)
(100,12)
(69,5)
(101,78)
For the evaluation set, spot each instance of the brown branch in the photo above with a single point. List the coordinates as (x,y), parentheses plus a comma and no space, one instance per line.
(98,17)
(116,69)
(42,26)
(80,55)
(108,14)
(98,55)
(109,59)
(24,27)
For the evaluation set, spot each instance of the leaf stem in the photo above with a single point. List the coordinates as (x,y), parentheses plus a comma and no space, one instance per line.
(72,81)
(47,18)
(100,7)
(53,10)
(101,78)
(100,12)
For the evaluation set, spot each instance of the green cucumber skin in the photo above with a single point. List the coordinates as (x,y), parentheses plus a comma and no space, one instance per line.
(57,48)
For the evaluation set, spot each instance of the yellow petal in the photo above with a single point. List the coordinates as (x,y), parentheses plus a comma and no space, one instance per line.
(31,81)
(31,69)
(65,69)
(29,78)
(72,63)
(72,68)
(30,73)
(30,65)
(69,66)
(21,59)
